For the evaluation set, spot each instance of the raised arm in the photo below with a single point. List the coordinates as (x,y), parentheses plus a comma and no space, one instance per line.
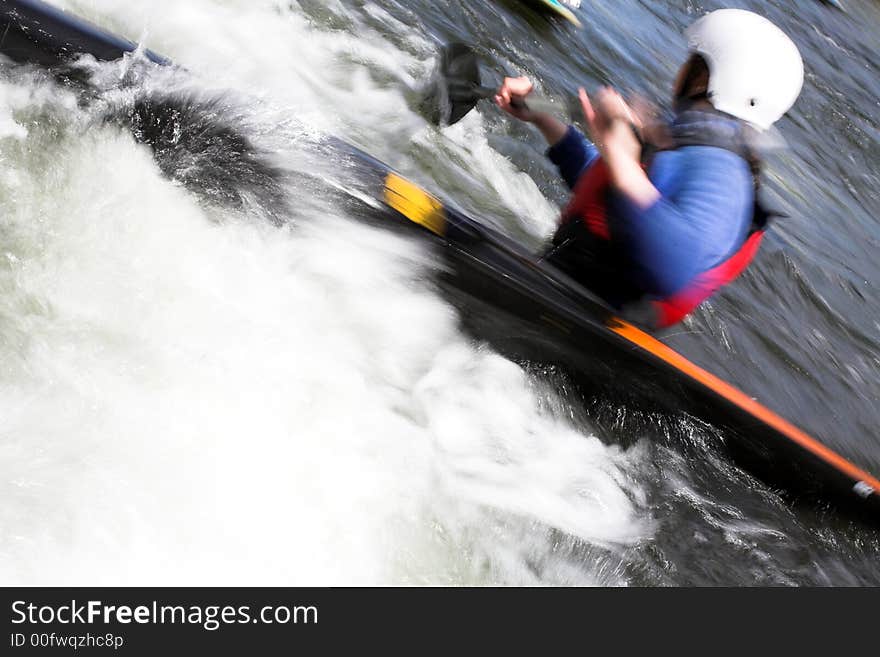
(569,149)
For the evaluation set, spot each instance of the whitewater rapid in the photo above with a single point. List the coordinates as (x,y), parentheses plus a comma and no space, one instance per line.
(192,395)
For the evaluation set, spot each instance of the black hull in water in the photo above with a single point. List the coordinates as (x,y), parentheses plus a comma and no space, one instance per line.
(546,317)
(36,32)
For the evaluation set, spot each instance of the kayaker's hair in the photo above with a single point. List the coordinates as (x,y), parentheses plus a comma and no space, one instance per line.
(694,81)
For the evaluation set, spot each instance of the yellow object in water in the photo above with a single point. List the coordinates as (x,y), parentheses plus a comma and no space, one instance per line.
(561,8)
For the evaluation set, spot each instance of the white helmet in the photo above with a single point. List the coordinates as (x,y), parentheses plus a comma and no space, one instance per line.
(755,70)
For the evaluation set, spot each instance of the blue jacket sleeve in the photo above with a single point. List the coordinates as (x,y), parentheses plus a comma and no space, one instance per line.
(702,217)
(572,155)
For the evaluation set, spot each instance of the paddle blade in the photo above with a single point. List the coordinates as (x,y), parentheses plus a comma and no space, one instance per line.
(454,88)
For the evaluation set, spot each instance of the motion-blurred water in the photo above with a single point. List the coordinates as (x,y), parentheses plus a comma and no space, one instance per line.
(191,394)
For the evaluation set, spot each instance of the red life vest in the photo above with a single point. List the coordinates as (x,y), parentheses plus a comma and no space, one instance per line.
(589,204)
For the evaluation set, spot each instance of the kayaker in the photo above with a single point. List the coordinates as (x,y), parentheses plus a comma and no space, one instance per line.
(656,236)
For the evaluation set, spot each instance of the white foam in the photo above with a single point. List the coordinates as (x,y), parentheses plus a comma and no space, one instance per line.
(191,396)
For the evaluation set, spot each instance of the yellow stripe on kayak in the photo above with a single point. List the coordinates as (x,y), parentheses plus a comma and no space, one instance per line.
(415,204)
(866,485)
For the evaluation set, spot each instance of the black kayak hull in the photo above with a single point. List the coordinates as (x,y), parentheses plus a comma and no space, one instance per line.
(36,32)
(547,317)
